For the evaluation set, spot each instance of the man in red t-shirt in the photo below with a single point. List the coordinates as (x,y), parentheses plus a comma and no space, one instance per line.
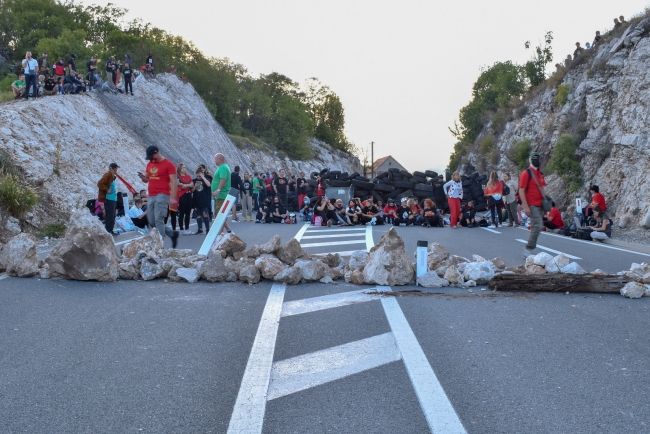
(163,189)
(554,219)
(531,199)
(597,198)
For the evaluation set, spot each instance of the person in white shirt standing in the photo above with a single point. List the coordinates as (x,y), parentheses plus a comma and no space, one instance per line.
(30,67)
(454,192)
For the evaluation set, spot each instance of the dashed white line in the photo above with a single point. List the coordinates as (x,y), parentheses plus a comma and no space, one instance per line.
(557,252)
(320,367)
(248,413)
(491,230)
(314,304)
(334,243)
(330,236)
(337,230)
(437,408)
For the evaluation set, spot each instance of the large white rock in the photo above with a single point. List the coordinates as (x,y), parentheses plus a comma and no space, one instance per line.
(214,269)
(18,256)
(87,252)
(573,268)
(311,270)
(290,276)
(229,243)
(479,272)
(249,274)
(272,245)
(430,279)
(561,260)
(436,253)
(358,260)
(13,225)
(150,243)
(542,259)
(151,268)
(633,290)
(453,276)
(290,252)
(388,263)
(190,275)
(269,267)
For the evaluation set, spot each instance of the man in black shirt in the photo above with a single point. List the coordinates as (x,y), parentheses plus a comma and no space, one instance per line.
(72,66)
(404,215)
(90,66)
(264,212)
(128,79)
(235,182)
(280,186)
(49,87)
(301,189)
(369,213)
(201,200)
(278,211)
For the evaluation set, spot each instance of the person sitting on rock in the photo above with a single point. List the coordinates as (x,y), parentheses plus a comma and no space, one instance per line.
(370,213)
(18,86)
(596,38)
(278,211)
(621,20)
(390,211)
(578,51)
(353,211)
(553,219)
(49,86)
(325,210)
(468,218)
(138,217)
(431,215)
(602,229)
(341,214)
(617,23)
(405,215)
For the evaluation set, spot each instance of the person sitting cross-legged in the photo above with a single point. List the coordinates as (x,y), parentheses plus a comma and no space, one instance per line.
(326,211)
(602,229)
(370,213)
(138,217)
(264,212)
(278,211)
(431,214)
(341,214)
(405,214)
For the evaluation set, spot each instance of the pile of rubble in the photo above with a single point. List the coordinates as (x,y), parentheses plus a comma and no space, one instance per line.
(87,252)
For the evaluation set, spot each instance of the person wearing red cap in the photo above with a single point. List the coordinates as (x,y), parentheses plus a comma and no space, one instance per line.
(162,191)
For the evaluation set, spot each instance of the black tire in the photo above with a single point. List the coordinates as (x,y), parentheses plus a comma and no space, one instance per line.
(324,171)
(363,184)
(337,183)
(383,175)
(360,192)
(407,193)
(403,184)
(343,175)
(431,173)
(416,173)
(353,175)
(393,169)
(384,187)
(406,173)
(335,172)
(325,175)
(398,177)
(376,195)
(393,194)
(424,187)
(343,178)
(447,176)
(467,182)
(391,176)
(311,182)
(419,179)
(424,194)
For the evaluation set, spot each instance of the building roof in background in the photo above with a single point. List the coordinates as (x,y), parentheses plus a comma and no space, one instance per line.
(380,161)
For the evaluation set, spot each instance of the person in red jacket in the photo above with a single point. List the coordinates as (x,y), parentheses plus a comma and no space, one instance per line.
(532,196)
(390,211)
(554,219)
(597,198)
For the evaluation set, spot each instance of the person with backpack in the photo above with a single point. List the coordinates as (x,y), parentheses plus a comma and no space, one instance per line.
(510,199)
(494,192)
(108,195)
(531,192)
(602,229)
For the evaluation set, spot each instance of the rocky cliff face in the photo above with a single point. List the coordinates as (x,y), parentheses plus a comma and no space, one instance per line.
(607,113)
(63,144)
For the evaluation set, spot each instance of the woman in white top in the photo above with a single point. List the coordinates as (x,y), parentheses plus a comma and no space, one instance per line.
(454,191)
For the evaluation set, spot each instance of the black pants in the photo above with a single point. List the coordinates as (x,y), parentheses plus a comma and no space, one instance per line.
(140,222)
(550,225)
(398,221)
(283,199)
(184,212)
(378,220)
(109,207)
(91,80)
(495,210)
(128,85)
(203,216)
(433,220)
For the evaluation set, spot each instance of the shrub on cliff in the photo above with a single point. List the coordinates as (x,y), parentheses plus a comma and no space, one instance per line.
(520,152)
(565,163)
(14,195)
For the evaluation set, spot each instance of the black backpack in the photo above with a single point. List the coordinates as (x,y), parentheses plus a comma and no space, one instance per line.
(90,204)
(506,189)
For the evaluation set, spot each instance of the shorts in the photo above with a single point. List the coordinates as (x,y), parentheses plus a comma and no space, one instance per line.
(217,204)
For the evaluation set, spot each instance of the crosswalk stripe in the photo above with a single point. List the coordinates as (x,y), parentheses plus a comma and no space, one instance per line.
(333,236)
(314,304)
(334,243)
(338,230)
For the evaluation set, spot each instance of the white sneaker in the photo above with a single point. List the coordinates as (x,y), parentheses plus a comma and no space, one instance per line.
(491,227)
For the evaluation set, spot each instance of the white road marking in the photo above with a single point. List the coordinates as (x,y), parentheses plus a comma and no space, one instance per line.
(314,304)
(490,230)
(337,230)
(437,408)
(598,244)
(345,253)
(3,276)
(320,367)
(331,236)
(370,243)
(301,232)
(557,252)
(137,238)
(334,243)
(248,413)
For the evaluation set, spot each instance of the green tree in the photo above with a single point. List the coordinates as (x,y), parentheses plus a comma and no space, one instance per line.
(535,69)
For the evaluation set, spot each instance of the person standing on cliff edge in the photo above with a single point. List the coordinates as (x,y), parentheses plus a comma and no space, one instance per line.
(161,176)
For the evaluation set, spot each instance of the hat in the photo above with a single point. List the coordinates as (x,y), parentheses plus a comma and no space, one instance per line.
(534,155)
(74,56)
(151,150)
(113,166)
(404,199)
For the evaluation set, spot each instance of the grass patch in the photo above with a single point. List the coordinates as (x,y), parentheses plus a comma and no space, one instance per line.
(6,96)
(15,196)
(562,94)
(54,230)
(242,142)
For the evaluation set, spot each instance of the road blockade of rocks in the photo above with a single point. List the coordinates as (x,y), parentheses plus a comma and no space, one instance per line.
(87,252)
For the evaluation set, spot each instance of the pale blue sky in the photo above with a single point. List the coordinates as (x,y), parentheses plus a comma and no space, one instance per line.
(402,69)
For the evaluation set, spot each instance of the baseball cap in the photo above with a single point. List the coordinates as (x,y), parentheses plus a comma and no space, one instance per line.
(534,155)
(113,166)
(151,151)
(404,199)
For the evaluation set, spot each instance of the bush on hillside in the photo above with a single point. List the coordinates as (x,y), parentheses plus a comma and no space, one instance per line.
(520,152)
(54,230)
(565,163)
(562,94)
(15,196)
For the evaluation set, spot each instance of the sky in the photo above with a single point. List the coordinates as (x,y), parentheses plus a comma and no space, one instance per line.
(402,69)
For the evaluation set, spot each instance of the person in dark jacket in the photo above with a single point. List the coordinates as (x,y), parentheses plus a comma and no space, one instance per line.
(439,193)
(236,182)
(108,195)
(128,79)
(201,199)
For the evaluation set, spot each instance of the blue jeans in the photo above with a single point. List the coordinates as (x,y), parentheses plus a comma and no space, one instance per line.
(31,80)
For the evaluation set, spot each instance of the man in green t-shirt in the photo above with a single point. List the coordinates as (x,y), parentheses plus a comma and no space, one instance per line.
(257,187)
(221,184)
(18,86)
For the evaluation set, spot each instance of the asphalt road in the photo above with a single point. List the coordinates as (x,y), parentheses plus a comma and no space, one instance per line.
(80,357)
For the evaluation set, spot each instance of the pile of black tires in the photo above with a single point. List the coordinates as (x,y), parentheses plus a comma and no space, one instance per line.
(397,184)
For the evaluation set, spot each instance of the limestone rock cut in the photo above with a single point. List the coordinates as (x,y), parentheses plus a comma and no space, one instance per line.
(633,290)
(388,263)
(430,279)
(290,276)
(214,269)
(87,252)
(269,267)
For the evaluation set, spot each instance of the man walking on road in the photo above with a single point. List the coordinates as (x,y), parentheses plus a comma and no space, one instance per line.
(108,195)
(532,196)
(221,185)
(163,188)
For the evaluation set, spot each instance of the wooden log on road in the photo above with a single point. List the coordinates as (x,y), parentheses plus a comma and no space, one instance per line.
(606,284)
